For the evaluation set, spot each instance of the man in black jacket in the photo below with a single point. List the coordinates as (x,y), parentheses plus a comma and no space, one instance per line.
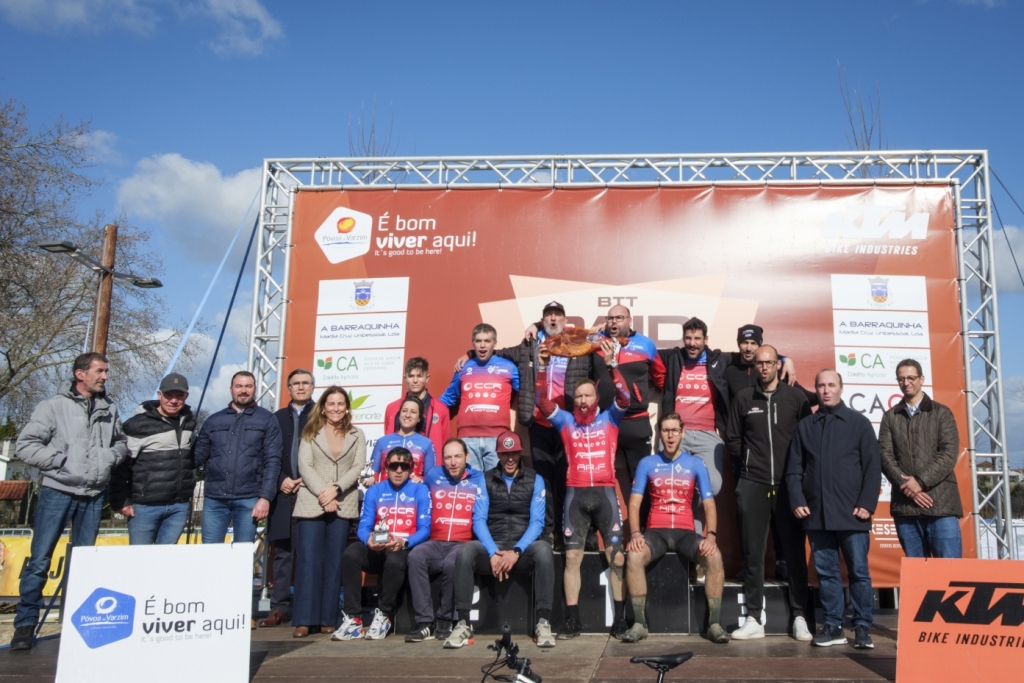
(291,419)
(762,421)
(519,519)
(153,487)
(834,477)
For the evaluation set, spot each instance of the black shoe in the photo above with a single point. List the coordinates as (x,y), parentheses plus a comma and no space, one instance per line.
(571,629)
(618,628)
(829,635)
(443,629)
(23,638)
(862,639)
(781,571)
(419,633)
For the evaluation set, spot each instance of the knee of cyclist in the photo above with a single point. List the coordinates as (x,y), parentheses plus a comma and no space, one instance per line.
(573,558)
(617,556)
(712,563)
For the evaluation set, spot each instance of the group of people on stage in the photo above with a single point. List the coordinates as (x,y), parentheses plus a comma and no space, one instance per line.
(425,502)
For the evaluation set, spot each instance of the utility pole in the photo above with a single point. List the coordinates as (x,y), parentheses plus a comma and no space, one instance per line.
(105,290)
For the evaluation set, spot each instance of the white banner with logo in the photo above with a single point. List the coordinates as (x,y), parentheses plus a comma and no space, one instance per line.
(162,612)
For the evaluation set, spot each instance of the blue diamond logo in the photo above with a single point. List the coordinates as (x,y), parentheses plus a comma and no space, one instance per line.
(105,617)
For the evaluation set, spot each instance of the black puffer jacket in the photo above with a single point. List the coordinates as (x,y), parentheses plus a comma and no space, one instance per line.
(159,467)
(926,447)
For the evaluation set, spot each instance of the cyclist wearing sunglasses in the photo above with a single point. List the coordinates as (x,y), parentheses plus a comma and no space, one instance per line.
(404,506)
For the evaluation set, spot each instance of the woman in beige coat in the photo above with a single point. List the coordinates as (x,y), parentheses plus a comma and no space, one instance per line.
(331,455)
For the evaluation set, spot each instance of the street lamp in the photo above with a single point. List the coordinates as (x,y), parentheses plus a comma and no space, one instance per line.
(101,312)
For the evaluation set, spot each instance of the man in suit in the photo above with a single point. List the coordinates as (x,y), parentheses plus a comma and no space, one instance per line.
(292,418)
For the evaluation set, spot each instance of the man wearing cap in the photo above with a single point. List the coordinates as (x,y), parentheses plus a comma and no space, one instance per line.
(519,518)
(545,443)
(154,485)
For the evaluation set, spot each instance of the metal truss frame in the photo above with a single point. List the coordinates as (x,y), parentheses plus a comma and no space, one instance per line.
(967,171)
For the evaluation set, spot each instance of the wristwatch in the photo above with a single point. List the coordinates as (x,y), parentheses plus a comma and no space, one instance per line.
(517,551)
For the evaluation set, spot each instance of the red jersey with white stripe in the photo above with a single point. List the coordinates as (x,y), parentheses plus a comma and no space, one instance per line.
(694,401)
(453,502)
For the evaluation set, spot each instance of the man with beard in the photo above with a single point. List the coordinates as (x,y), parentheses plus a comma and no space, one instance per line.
(589,436)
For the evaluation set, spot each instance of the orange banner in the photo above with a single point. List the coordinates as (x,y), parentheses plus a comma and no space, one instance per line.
(853,278)
(960,620)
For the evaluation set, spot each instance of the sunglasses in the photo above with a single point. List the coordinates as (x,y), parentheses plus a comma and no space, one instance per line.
(399,466)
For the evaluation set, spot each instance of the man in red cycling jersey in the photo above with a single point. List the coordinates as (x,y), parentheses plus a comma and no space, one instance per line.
(589,436)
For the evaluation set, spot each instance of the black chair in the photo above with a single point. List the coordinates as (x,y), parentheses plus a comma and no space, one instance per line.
(662,663)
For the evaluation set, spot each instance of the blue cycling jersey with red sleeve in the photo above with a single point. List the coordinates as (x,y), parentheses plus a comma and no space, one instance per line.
(424,456)
(406,511)
(672,483)
(590,448)
(483,394)
(455,515)
(640,366)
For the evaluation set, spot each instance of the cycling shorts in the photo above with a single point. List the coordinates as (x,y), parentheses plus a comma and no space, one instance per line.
(683,542)
(592,506)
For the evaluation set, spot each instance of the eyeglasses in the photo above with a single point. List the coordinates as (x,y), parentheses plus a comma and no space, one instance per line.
(300,384)
(617,318)
(399,467)
(765,363)
(672,432)
(909,379)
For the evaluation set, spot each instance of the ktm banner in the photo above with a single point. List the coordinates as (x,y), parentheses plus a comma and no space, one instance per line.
(853,278)
(961,620)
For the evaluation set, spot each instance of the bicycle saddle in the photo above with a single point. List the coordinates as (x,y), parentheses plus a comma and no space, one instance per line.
(663,661)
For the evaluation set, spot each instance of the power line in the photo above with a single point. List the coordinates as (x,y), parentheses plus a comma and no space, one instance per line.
(1003,227)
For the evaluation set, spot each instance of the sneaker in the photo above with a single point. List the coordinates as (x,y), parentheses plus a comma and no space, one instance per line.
(24,638)
(750,629)
(380,626)
(543,635)
(800,630)
(862,639)
(351,629)
(419,633)
(461,635)
(618,628)
(443,629)
(571,629)
(829,635)
(635,634)
(717,634)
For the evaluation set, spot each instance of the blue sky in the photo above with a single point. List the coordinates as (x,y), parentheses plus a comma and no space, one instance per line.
(186,97)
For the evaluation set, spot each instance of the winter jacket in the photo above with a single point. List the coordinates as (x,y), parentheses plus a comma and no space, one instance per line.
(319,469)
(517,517)
(833,467)
(717,361)
(583,367)
(76,442)
(158,469)
(242,453)
(279,525)
(926,447)
(760,429)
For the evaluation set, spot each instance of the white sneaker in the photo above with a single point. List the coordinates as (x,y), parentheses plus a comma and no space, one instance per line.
(461,635)
(800,630)
(543,635)
(380,626)
(350,629)
(749,630)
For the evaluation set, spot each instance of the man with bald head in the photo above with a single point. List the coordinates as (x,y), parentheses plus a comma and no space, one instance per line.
(762,420)
(833,477)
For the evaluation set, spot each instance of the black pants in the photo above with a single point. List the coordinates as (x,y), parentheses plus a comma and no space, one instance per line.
(756,505)
(358,558)
(537,560)
(549,462)
(634,445)
(284,561)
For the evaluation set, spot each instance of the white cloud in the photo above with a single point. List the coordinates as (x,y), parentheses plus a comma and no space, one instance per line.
(246,27)
(190,198)
(1007,277)
(101,145)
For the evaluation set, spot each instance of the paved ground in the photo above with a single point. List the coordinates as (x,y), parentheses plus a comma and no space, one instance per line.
(276,656)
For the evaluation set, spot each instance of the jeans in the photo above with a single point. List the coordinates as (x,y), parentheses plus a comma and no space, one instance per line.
(53,512)
(218,514)
(319,544)
(537,560)
(159,524)
(923,536)
(483,454)
(825,547)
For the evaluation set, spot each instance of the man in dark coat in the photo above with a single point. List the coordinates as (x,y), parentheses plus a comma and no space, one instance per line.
(919,445)
(292,418)
(833,477)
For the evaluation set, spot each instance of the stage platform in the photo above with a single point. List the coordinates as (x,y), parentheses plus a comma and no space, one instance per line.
(276,656)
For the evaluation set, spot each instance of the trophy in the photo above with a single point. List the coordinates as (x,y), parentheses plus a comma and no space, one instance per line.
(380,534)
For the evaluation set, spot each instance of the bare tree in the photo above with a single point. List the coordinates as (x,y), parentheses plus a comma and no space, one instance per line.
(864,129)
(367,139)
(46,301)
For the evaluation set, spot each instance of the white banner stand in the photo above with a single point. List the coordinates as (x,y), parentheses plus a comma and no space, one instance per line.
(163,612)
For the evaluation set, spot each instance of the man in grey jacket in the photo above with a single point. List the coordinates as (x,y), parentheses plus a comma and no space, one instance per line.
(75,439)
(919,445)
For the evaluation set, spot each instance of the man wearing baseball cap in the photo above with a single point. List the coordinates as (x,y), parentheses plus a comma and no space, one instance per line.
(519,519)
(153,487)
